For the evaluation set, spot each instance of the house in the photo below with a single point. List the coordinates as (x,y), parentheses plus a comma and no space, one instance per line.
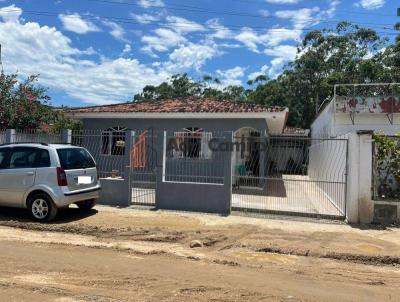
(191,120)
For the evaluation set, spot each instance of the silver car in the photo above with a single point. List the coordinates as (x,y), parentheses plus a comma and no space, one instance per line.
(44,178)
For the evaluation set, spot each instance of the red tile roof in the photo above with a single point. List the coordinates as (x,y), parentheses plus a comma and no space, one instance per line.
(191,104)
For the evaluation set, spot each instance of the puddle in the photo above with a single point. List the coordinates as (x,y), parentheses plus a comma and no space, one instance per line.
(267,257)
(369,248)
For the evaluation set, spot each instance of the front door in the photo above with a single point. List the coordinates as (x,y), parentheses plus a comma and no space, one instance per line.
(18,175)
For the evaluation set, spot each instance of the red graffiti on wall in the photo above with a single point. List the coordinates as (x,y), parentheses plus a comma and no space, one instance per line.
(390,105)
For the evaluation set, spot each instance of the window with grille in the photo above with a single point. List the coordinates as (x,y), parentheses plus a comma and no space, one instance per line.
(192,143)
(113,141)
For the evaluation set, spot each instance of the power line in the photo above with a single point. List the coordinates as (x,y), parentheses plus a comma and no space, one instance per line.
(197,9)
(171,24)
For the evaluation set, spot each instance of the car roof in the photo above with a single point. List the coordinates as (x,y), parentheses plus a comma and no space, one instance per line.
(41,145)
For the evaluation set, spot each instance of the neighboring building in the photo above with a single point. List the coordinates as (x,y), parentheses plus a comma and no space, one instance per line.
(344,114)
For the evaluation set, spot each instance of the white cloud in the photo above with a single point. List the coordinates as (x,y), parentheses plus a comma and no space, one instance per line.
(262,71)
(117,31)
(163,40)
(10,13)
(182,25)
(145,18)
(282,54)
(231,76)
(219,31)
(276,67)
(282,1)
(301,18)
(249,38)
(191,56)
(31,48)
(76,24)
(371,4)
(264,12)
(127,49)
(151,3)
(287,52)
(271,37)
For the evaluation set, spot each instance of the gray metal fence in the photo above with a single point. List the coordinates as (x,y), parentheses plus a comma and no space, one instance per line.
(245,171)
(290,175)
(2,136)
(193,156)
(37,136)
(107,148)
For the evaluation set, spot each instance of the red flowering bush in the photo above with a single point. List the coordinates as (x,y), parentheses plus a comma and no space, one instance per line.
(25,105)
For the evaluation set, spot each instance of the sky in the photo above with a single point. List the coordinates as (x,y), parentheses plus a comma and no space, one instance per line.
(94,52)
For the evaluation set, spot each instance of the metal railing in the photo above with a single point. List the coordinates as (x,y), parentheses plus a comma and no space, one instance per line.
(194,156)
(37,136)
(290,175)
(107,148)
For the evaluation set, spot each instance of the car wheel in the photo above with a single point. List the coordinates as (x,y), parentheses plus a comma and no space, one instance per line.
(42,208)
(86,205)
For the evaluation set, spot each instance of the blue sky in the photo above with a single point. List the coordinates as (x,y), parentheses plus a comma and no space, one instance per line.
(101,51)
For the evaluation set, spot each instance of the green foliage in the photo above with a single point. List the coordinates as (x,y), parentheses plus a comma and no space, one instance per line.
(62,122)
(348,54)
(23,104)
(387,157)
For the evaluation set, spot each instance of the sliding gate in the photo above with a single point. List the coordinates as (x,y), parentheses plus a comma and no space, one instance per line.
(290,175)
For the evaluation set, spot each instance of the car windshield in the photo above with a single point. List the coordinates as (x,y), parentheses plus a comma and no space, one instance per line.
(75,158)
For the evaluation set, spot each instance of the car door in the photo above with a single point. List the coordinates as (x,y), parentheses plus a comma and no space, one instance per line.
(4,157)
(19,174)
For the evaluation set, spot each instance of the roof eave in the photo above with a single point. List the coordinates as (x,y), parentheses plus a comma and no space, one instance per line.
(177,115)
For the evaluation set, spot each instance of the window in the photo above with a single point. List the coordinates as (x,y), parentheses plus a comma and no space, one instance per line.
(75,158)
(3,157)
(43,159)
(192,143)
(23,157)
(113,141)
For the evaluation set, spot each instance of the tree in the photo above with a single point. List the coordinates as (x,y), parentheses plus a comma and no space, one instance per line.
(179,86)
(25,105)
(347,54)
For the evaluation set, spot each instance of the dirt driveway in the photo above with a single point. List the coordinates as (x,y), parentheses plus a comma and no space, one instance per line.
(138,255)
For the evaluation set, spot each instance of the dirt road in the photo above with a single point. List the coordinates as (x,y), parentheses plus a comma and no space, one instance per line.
(132,255)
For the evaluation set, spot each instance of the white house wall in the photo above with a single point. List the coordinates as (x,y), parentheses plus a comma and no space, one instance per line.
(333,122)
(322,126)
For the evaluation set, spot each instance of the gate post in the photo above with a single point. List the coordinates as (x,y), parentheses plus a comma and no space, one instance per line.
(10,136)
(118,191)
(66,136)
(360,206)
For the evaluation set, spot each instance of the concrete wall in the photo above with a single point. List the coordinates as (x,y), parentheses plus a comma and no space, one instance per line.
(332,123)
(322,125)
(197,196)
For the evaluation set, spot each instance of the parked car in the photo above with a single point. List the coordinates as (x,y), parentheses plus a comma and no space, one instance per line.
(44,178)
